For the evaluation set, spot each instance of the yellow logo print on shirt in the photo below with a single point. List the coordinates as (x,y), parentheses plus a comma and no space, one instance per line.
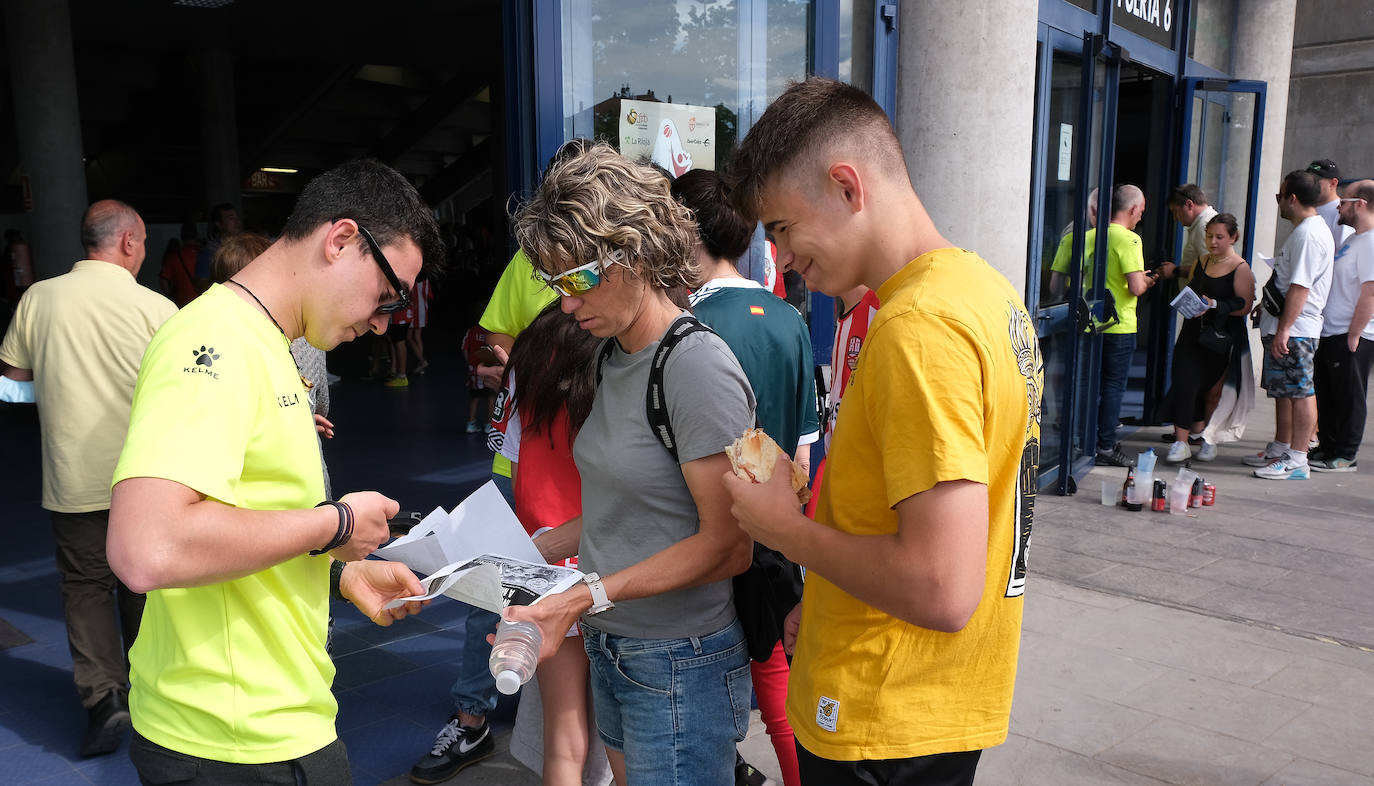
(827,713)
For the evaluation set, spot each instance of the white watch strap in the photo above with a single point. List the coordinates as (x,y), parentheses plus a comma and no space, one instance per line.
(600,602)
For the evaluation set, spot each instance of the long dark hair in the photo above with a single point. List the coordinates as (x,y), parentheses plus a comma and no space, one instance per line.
(553,361)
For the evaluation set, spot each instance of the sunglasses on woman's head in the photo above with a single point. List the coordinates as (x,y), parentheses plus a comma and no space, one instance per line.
(581,279)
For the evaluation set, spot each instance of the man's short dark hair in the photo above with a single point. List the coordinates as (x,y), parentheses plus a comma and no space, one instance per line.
(103,221)
(376,196)
(724,232)
(1305,186)
(1363,189)
(217,213)
(1187,192)
(805,118)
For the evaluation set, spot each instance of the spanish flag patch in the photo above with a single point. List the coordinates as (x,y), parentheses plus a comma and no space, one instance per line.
(756,310)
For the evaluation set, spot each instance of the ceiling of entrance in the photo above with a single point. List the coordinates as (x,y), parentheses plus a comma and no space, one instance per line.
(316,82)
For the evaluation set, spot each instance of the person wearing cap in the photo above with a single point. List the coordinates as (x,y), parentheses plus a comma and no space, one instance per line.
(1329,177)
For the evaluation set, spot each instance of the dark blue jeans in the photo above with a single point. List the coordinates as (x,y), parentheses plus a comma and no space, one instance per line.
(1117,349)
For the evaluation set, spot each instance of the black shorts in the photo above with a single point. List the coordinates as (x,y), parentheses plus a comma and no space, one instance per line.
(938,769)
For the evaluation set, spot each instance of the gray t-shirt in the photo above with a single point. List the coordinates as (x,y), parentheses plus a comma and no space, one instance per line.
(635,502)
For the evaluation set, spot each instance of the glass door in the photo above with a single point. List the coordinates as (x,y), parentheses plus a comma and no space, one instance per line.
(1221,148)
(1075,86)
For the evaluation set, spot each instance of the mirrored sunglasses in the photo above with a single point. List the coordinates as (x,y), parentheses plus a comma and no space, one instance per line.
(581,279)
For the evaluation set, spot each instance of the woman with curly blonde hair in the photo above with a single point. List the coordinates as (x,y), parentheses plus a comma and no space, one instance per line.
(669,667)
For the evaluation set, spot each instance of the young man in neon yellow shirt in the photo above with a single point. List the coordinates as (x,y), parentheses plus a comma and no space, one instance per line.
(911,617)
(216,509)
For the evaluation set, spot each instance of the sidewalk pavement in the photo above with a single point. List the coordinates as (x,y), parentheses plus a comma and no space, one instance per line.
(1231,646)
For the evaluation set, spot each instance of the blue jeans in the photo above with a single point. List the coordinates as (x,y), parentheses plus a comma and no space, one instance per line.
(674,707)
(474,692)
(1117,350)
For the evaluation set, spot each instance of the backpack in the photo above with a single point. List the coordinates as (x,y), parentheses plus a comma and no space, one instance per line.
(772,586)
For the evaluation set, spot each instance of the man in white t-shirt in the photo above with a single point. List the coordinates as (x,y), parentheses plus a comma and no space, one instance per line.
(1329,179)
(1188,205)
(1302,276)
(1346,350)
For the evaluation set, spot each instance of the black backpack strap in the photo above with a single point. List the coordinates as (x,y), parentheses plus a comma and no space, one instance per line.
(602,355)
(655,397)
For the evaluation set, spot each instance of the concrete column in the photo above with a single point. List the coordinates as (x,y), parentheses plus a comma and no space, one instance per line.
(1263,50)
(965,116)
(48,125)
(218,113)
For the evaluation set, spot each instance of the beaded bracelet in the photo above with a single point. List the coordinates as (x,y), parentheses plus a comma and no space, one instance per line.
(345,531)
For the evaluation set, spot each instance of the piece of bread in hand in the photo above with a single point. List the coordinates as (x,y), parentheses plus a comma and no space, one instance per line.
(753,457)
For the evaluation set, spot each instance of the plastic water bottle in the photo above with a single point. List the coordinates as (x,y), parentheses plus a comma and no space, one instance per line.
(514,655)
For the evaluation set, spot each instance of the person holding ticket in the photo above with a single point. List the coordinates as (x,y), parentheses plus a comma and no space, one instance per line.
(1219,293)
(669,664)
(216,510)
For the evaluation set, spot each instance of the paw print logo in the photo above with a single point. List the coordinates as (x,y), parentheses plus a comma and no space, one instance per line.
(205,357)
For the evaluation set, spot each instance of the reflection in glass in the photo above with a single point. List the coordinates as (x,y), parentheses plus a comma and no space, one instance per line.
(856,43)
(685,52)
(1223,131)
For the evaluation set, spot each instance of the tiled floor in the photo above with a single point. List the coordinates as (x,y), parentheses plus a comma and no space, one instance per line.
(392,683)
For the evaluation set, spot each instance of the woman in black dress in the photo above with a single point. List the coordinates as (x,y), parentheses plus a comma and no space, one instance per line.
(1223,280)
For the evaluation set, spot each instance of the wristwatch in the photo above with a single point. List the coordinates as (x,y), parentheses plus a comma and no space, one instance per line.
(600,602)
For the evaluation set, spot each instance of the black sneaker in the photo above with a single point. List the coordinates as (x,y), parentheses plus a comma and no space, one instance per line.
(456,747)
(109,719)
(746,774)
(1113,458)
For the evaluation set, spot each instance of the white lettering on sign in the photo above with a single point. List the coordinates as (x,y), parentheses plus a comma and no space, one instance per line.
(1149,11)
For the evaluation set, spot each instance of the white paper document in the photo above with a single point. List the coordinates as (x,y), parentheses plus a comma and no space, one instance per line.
(1189,304)
(480,554)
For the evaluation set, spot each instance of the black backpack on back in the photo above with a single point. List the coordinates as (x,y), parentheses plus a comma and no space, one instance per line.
(772,586)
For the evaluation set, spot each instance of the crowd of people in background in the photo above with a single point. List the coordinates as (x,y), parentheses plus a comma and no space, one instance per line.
(621,351)
(1313,314)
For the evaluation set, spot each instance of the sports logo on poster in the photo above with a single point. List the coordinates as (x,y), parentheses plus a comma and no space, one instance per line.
(677,137)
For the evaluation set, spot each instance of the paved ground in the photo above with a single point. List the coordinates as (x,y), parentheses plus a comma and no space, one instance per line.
(1229,647)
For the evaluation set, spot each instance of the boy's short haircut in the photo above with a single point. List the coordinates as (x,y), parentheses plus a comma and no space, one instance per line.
(376,196)
(808,117)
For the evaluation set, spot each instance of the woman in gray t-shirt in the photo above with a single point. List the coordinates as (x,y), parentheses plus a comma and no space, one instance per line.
(669,668)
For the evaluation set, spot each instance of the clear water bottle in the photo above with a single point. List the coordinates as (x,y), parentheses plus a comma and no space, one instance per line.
(514,655)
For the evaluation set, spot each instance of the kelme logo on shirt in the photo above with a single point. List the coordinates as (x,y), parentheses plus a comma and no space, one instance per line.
(205,358)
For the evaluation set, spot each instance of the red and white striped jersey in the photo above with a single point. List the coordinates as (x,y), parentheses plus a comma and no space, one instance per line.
(850,333)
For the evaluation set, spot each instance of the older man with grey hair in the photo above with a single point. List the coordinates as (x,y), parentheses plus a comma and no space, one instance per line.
(79,339)
(1126,282)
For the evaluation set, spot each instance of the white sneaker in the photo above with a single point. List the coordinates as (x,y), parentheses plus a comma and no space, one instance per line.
(1283,469)
(1207,452)
(1179,451)
(1265,457)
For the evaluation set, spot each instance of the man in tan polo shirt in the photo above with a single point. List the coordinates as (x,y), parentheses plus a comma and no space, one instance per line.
(79,338)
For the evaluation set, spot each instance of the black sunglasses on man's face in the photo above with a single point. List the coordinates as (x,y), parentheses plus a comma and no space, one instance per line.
(380,258)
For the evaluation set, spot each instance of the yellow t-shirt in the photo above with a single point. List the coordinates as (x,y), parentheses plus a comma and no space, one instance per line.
(949,389)
(235,671)
(83,334)
(517,300)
